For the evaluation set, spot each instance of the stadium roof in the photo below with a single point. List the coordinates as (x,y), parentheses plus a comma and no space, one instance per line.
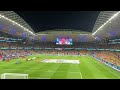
(102,18)
(16,19)
(105,24)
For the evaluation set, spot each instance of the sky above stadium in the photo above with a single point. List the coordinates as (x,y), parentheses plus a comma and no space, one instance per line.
(48,20)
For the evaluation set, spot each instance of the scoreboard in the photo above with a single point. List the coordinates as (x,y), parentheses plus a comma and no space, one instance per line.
(64,41)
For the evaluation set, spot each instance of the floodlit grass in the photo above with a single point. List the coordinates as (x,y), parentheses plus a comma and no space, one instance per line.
(89,68)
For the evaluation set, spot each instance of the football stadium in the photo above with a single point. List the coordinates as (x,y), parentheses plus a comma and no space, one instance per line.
(59,53)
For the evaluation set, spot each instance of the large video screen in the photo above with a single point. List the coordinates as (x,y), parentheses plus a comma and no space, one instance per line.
(64,41)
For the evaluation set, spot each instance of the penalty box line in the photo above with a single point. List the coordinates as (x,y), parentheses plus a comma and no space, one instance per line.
(37,78)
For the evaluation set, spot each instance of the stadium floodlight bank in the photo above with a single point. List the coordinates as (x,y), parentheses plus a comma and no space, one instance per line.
(14,76)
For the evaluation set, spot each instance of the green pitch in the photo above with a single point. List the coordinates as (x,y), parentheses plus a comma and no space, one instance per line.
(89,68)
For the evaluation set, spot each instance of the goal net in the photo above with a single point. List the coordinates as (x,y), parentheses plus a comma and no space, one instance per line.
(14,76)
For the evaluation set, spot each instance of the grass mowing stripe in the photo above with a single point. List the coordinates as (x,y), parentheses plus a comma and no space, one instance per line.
(42,71)
(106,69)
(87,69)
(98,71)
(61,71)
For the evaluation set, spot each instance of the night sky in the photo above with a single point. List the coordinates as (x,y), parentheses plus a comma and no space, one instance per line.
(48,20)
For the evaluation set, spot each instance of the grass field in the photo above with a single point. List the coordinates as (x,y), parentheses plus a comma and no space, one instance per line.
(89,68)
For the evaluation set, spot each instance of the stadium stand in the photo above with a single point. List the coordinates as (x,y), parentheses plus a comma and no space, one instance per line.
(13,46)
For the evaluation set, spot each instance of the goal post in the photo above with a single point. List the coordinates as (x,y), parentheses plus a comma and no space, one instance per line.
(14,76)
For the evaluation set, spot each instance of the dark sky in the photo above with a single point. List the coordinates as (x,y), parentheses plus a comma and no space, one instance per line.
(48,20)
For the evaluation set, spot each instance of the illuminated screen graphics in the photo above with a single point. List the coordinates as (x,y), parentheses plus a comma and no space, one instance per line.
(64,41)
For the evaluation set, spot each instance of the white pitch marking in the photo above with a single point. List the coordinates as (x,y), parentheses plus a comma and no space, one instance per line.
(81,75)
(108,70)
